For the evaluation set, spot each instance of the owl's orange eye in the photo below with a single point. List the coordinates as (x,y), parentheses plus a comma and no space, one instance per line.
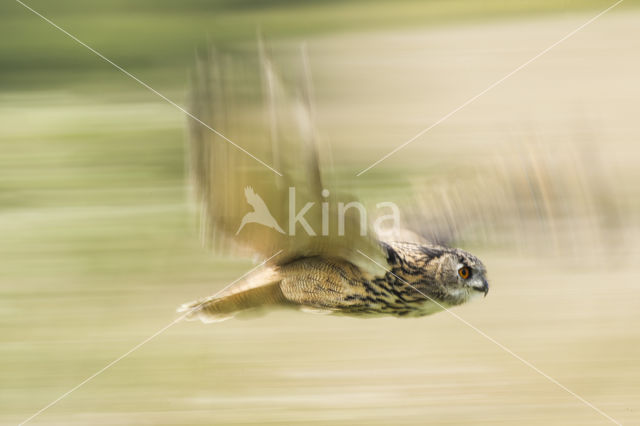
(464,272)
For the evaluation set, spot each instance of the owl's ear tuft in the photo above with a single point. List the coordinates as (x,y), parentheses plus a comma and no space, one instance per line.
(392,256)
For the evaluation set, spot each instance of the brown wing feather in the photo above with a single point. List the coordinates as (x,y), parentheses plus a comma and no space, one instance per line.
(224,95)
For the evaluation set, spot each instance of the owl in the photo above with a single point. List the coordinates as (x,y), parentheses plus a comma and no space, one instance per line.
(321,257)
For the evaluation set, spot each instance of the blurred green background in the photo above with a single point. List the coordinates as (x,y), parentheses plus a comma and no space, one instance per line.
(156,39)
(98,245)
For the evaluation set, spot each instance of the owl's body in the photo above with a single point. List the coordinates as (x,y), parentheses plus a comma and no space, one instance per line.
(420,280)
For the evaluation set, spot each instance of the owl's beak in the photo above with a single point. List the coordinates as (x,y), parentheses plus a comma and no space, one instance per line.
(484,287)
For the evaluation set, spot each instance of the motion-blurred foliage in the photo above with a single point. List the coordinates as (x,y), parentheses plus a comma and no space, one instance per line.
(158,37)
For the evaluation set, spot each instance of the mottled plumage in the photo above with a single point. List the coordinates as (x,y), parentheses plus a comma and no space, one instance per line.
(422,279)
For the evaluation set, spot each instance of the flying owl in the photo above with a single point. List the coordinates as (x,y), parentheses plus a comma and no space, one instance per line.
(337,270)
(247,198)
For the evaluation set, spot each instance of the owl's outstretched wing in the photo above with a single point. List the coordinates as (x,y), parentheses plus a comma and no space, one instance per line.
(559,198)
(276,128)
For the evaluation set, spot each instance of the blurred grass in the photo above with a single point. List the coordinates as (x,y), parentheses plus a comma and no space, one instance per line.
(157,38)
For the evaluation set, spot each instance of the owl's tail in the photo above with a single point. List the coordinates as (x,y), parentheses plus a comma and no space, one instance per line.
(244,299)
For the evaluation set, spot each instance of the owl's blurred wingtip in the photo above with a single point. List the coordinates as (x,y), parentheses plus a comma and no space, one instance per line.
(192,311)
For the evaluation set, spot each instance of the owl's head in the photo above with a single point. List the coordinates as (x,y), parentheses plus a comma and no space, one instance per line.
(450,276)
(462,276)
